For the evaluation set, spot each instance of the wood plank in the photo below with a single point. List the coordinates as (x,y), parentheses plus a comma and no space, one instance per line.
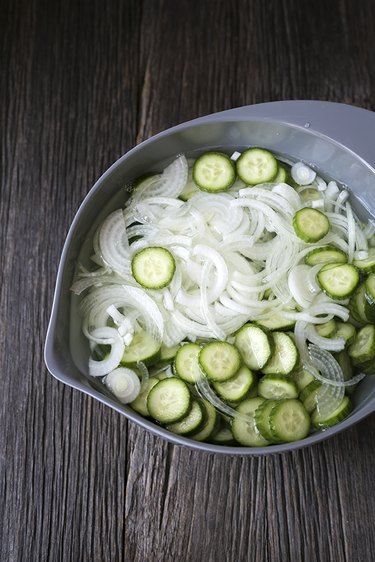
(85,81)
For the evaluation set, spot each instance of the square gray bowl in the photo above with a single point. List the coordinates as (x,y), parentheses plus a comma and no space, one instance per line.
(336,139)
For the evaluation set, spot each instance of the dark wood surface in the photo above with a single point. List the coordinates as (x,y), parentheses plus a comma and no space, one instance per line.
(81,83)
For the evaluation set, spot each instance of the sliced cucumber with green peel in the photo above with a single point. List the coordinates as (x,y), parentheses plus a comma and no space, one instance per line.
(335,417)
(309,395)
(153,268)
(190,423)
(169,401)
(302,377)
(310,225)
(167,354)
(223,436)
(140,403)
(257,165)
(367,265)
(214,171)
(284,357)
(363,347)
(338,281)
(246,432)
(143,348)
(277,387)
(357,305)
(220,361)
(289,421)
(345,330)
(345,363)
(210,425)
(186,364)
(326,254)
(237,387)
(262,420)
(370,297)
(254,345)
(327,329)
(282,175)
(277,322)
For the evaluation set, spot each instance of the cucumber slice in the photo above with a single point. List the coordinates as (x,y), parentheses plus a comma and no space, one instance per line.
(143,348)
(254,345)
(257,165)
(370,297)
(140,403)
(276,387)
(277,322)
(167,354)
(190,423)
(223,436)
(186,363)
(169,401)
(357,304)
(309,194)
(335,417)
(326,330)
(310,225)
(262,420)
(153,268)
(308,396)
(246,432)
(212,420)
(282,175)
(363,347)
(302,377)
(345,330)
(338,281)
(238,387)
(345,363)
(289,421)
(214,171)
(284,357)
(220,361)
(326,254)
(367,265)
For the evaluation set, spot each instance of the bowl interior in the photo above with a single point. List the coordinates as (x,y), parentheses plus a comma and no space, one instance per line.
(68,349)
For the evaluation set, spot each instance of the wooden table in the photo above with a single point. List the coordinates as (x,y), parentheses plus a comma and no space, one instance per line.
(82,82)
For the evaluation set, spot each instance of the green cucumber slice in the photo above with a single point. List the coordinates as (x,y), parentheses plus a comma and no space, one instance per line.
(169,400)
(277,322)
(367,265)
(308,396)
(289,421)
(284,357)
(212,420)
(262,420)
(282,175)
(310,225)
(220,361)
(345,330)
(302,377)
(363,347)
(335,417)
(143,348)
(223,436)
(140,403)
(338,281)
(167,354)
(254,345)
(214,171)
(326,254)
(153,268)
(237,387)
(246,432)
(186,364)
(256,165)
(190,423)
(326,330)
(277,387)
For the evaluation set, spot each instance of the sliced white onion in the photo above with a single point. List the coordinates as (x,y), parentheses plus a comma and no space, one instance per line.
(298,286)
(302,174)
(114,244)
(330,344)
(124,384)
(107,336)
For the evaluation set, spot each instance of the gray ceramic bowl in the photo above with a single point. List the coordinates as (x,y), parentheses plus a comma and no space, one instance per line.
(337,139)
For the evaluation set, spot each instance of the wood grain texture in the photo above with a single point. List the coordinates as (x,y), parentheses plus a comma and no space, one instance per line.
(81,83)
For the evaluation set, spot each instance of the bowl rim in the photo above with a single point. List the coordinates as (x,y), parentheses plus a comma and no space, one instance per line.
(284,112)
